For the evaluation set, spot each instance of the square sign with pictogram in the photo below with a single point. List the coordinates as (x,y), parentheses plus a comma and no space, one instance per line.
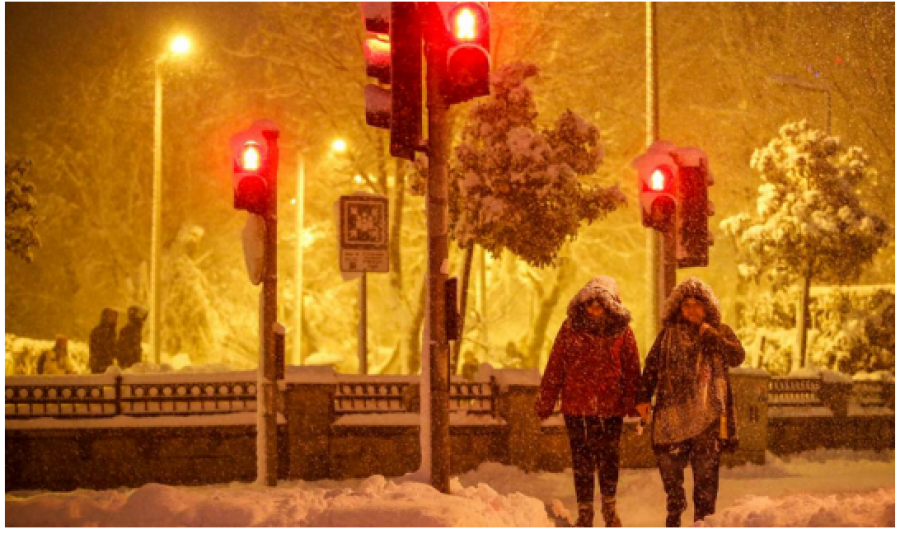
(364,233)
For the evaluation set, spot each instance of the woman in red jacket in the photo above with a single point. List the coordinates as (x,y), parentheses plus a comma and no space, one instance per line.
(595,366)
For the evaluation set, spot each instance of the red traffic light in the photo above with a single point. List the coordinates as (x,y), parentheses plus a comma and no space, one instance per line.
(251,159)
(466,23)
(661,179)
(254,157)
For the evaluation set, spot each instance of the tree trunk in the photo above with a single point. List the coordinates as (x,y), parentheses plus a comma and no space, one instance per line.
(802,304)
(463,300)
(548,304)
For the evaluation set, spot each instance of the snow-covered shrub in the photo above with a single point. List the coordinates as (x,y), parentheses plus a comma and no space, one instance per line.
(809,223)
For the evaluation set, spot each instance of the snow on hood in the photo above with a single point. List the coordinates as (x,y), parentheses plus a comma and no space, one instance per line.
(604,288)
(696,288)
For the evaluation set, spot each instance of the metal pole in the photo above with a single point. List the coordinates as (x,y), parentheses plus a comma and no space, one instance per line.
(298,280)
(270,311)
(155,245)
(361,344)
(436,208)
(655,241)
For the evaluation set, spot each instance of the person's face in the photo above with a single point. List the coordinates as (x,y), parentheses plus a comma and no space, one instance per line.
(595,310)
(693,311)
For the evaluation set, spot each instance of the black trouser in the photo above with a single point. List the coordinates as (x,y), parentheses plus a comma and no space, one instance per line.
(594,442)
(703,453)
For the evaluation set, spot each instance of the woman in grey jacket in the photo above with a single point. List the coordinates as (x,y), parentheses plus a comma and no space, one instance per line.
(693,418)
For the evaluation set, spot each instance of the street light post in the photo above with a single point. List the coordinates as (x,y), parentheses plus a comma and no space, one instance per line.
(180,45)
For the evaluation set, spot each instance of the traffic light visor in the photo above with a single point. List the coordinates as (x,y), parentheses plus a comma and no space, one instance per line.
(250,157)
(659,179)
(466,23)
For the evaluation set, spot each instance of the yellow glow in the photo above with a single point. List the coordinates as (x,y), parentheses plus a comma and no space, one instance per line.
(358,179)
(464,19)
(180,45)
(293,201)
(251,158)
(339,145)
(657,180)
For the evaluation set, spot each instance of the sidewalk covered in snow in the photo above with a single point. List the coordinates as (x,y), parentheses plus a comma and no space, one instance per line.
(819,488)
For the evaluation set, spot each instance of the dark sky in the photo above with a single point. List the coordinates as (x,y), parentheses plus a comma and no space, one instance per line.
(46,41)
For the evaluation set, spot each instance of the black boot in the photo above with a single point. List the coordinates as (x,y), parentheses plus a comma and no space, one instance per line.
(610,517)
(585,514)
(673,520)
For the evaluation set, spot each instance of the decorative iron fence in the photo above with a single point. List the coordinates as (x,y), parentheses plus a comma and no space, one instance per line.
(132,395)
(198,394)
(792,392)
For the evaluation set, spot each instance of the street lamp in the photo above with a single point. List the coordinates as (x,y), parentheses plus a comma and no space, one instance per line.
(179,46)
(793,81)
(337,146)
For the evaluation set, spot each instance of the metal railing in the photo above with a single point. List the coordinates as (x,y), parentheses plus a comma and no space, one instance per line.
(791,391)
(132,395)
(98,396)
(397,394)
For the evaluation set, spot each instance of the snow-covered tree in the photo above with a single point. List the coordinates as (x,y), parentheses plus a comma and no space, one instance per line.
(809,224)
(21,221)
(515,185)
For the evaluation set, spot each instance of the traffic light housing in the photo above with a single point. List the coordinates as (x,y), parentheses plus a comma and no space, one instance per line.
(657,184)
(692,235)
(251,166)
(393,55)
(467,39)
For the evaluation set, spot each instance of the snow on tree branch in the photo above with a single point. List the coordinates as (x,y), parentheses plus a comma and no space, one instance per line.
(809,221)
(515,185)
(21,221)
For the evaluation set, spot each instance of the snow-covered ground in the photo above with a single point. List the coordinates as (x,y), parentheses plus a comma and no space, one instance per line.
(820,488)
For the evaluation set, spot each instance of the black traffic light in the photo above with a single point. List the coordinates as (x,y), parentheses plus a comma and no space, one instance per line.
(467,39)
(393,55)
(251,166)
(692,236)
(657,184)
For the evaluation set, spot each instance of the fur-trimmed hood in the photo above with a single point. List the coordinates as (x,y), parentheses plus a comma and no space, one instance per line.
(696,288)
(606,290)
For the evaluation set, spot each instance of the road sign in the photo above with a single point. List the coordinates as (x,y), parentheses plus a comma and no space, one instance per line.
(364,233)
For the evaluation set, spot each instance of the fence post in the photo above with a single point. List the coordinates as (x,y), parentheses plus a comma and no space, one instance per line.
(836,392)
(517,394)
(309,410)
(118,390)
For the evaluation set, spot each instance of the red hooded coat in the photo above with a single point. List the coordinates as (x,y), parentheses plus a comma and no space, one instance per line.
(596,373)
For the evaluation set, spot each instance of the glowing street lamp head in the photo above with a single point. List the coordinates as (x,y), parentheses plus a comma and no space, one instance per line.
(180,45)
(339,145)
(250,157)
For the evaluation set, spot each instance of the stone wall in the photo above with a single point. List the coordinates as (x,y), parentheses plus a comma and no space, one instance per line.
(314,444)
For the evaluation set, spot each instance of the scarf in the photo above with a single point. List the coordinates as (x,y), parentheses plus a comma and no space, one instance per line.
(692,386)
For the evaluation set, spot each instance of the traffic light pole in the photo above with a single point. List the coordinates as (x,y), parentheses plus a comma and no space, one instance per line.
(436,208)
(661,259)
(268,466)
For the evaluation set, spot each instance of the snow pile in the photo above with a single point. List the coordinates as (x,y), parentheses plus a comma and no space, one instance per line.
(872,509)
(375,501)
(816,488)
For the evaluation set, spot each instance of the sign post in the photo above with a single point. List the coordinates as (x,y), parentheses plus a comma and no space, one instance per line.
(363,230)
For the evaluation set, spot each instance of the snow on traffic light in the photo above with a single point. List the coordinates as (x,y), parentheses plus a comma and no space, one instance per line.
(673,193)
